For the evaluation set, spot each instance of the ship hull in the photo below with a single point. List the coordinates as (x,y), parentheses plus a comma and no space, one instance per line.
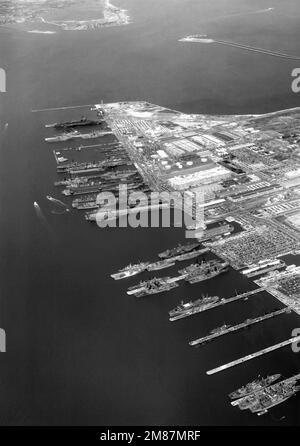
(263,412)
(237,396)
(159,267)
(125,275)
(181,251)
(144,292)
(190,313)
(198,279)
(190,255)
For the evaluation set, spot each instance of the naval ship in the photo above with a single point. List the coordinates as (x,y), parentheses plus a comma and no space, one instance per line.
(220,330)
(262,401)
(180,249)
(75,123)
(199,272)
(130,270)
(156,266)
(75,134)
(253,386)
(273,398)
(153,286)
(190,255)
(192,307)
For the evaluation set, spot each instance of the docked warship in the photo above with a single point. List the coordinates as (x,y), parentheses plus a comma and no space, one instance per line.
(69,135)
(162,264)
(198,272)
(153,286)
(254,386)
(220,330)
(75,123)
(180,249)
(262,401)
(130,270)
(192,307)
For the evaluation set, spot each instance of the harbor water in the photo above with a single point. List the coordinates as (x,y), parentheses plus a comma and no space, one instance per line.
(80,351)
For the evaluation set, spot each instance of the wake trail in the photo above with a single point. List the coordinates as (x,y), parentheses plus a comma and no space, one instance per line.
(257,50)
(43,220)
(241,14)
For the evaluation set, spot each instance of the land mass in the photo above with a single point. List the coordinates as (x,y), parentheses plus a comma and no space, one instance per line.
(68,15)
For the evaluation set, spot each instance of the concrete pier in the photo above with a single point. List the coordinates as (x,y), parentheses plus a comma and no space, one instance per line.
(295,339)
(235,298)
(238,327)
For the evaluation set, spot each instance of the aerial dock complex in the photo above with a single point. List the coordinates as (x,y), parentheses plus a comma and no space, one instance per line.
(241,175)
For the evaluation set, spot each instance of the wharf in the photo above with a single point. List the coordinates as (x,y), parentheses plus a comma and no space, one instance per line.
(295,339)
(238,327)
(235,298)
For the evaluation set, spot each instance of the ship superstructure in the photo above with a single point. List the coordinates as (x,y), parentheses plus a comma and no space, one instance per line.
(254,386)
(198,272)
(180,249)
(153,286)
(260,401)
(130,270)
(186,309)
(83,121)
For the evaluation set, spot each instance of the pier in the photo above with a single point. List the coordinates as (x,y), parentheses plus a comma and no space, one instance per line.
(262,352)
(235,298)
(238,327)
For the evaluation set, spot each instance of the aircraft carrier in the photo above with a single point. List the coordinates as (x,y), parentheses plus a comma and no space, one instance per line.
(76,123)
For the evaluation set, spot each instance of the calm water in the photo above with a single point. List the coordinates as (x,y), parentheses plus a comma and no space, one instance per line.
(79,350)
